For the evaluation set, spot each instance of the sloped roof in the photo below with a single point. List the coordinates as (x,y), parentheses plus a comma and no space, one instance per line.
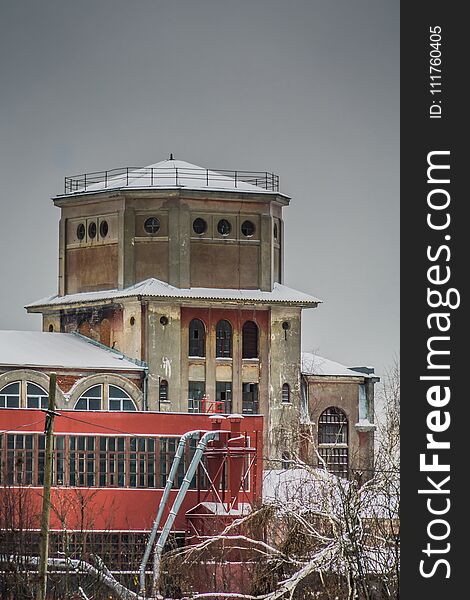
(59,350)
(312,364)
(168,174)
(159,289)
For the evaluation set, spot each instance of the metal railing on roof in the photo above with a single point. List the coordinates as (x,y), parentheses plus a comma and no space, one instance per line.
(143,177)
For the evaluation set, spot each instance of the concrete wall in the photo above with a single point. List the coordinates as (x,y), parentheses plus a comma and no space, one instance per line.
(285,349)
(128,254)
(343,393)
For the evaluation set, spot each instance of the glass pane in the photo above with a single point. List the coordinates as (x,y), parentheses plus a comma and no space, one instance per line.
(115,392)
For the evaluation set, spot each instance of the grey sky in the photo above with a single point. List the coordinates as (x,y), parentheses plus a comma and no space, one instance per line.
(307,89)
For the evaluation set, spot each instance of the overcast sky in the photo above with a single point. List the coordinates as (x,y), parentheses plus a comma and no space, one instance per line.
(308,89)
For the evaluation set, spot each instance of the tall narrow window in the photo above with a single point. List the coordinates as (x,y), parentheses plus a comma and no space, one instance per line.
(250,340)
(197,338)
(223,339)
(196,391)
(223,393)
(285,460)
(333,440)
(163,391)
(250,399)
(286,393)
(82,465)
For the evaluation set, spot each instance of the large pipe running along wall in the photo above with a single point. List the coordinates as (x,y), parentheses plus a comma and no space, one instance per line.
(198,454)
(169,484)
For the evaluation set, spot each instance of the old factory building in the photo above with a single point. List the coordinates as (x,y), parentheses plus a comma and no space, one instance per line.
(171,298)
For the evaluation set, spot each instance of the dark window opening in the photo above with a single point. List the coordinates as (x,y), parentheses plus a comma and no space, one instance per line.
(81,231)
(36,397)
(333,427)
(223,393)
(285,461)
(276,233)
(223,336)
(286,393)
(250,405)
(196,391)
(152,225)
(250,340)
(10,396)
(92,230)
(199,226)
(197,338)
(91,399)
(163,390)
(333,440)
(336,460)
(224,227)
(120,400)
(104,229)
(248,228)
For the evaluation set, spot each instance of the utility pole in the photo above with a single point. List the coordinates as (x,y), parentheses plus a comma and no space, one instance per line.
(46,496)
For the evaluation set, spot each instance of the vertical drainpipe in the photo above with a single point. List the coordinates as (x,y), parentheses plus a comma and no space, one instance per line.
(145,390)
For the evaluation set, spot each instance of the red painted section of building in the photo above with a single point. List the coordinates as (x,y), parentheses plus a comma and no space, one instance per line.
(124,506)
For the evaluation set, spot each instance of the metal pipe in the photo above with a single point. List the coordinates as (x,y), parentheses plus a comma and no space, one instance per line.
(166,492)
(198,454)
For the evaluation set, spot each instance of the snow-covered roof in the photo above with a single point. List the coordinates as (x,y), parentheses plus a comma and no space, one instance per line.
(312,364)
(320,490)
(158,289)
(167,174)
(59,350)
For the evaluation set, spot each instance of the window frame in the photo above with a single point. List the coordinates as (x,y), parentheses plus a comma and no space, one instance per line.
(286,393)
(250,339)
(195,342)
(223,339)
(333,446)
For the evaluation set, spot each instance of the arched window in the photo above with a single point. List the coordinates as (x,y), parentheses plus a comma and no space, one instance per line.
(250,340)
(333,440)
(286,393)
(163,392)
(36,397)
(223,339)
(197,338)
(10,395)
(118,399)
(91,399)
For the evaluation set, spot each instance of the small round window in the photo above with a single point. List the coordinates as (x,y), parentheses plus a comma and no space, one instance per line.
(248,228)
(224,227)
(104,229)
(92,230)
(152,225)
(199,226)
(81,231)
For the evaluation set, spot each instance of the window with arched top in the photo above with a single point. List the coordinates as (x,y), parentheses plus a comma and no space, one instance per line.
(286,393)
(197,338)
(10,395)
(91,399)
(36,396)
(118,399)
(163,390)
(333,440)
(250,340)
(223,339)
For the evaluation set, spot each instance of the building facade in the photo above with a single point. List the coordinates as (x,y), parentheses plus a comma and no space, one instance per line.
(178,270)
(181,267)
